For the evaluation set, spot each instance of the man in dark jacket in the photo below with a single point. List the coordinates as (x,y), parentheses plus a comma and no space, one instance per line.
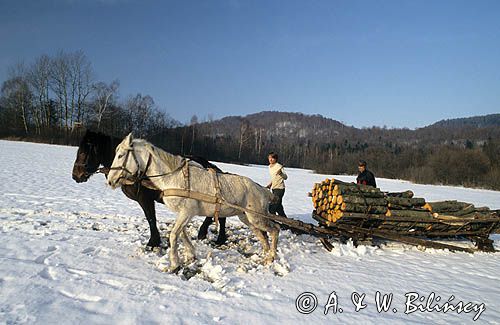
(365,176)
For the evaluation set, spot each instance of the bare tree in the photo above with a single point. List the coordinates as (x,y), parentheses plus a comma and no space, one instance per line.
(159,121)
(258,140)
(104,95)
(139,109)
(81,83)
(17,94)
(193,122)
(59,84)
(38,78)
(244,127)
(71,75)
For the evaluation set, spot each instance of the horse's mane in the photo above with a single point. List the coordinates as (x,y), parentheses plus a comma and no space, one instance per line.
(172,161)
(176,159)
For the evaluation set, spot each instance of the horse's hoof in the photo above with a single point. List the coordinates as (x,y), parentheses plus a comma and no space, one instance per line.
(150,248)
(268,260)
(157,249)
(174,270)
(202,233)
(190,259)
(153,243)
(220,241)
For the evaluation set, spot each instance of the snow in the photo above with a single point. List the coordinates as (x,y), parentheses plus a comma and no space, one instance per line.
(73,253)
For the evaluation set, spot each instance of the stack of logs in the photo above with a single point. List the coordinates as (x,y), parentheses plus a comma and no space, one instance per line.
(334,199)
(454,208)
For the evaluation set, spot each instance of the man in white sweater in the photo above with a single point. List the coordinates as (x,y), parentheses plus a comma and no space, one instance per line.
(277,184)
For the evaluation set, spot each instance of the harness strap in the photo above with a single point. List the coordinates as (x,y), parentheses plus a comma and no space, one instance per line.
(180,192)
(181,166)
(122,167)
(185,172)
(217,195)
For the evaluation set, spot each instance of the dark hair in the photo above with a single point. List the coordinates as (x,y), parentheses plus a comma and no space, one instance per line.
(362,163)
(273,154)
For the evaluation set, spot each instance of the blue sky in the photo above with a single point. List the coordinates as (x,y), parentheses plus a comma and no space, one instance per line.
(394,63)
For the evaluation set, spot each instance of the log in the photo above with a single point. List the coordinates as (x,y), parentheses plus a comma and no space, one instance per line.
(366,191)
(409,213)
(354,191)
(409,202)
(467,210)
(375,209)
(357,187)
(356,199)
(406,194)
(448,206)
(339,182)
(392,206)
(328,246)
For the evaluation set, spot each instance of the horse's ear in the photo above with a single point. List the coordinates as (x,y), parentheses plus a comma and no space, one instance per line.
(129,138)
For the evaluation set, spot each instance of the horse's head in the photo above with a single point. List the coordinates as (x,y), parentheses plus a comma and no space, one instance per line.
(87,158)
(126,164)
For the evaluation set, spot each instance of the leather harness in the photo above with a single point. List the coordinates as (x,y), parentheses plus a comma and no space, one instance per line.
(185,192)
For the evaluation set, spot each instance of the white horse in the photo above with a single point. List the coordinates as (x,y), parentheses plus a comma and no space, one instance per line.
(170,173)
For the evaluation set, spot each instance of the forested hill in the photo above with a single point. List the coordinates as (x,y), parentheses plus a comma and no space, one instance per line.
(440,153)
(491,120)
(282,125)
(298,128)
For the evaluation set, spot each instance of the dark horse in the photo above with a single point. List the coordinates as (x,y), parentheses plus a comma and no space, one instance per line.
(98,149)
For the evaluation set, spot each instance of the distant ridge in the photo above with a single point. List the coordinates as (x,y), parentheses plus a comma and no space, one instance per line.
(318,129)
(483,121)
(283,124)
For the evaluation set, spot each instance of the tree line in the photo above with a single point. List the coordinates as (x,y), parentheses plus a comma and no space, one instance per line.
(54,97)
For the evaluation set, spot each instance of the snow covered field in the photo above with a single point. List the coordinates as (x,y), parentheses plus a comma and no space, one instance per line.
(72,253)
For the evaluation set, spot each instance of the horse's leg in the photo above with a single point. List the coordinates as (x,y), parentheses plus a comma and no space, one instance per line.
(147,202)
(222,238)
(189,254)
(202,233)
(266,226)
(261,236)
(145,198)
(274,231)
(180,224)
